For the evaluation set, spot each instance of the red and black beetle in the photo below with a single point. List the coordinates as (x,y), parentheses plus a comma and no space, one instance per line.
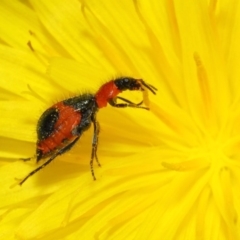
(61,125)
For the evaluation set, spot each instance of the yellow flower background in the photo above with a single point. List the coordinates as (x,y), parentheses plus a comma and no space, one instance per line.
(168,173)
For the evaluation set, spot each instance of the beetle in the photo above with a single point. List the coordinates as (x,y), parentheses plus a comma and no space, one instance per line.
(61,125)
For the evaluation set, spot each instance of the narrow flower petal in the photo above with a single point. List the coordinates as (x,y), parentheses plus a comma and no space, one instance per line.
(23,29)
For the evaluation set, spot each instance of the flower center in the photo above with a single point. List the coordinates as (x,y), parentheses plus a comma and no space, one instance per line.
(211,155)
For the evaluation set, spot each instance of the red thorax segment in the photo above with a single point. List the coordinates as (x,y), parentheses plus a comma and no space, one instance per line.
(68,119)
(105,93)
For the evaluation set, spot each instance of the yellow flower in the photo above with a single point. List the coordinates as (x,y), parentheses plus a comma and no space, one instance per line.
(168,173)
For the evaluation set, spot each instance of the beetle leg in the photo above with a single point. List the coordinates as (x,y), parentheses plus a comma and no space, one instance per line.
(94,145)
(26,159)
(128,103)
(59,152)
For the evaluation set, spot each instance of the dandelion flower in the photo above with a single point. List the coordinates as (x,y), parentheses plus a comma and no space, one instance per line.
(168,173)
